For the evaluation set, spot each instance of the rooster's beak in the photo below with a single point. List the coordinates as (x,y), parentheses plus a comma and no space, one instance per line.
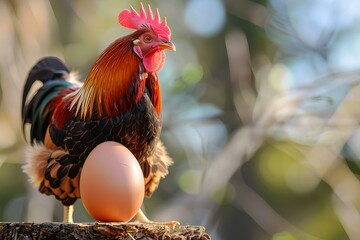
(167,45)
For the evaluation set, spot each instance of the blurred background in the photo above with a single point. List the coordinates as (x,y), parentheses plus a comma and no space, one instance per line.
(261,111)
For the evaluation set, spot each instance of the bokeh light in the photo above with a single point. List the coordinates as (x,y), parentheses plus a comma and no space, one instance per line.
(205,17)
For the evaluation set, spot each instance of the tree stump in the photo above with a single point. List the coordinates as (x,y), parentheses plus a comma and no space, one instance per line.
(128,231)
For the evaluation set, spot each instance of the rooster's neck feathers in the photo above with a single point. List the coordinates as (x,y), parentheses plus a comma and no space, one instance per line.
(115,83)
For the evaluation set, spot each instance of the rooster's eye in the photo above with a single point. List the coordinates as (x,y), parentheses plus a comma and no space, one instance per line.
(147,38)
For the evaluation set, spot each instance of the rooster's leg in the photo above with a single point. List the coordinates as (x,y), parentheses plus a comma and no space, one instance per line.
(68,214)
(140,217)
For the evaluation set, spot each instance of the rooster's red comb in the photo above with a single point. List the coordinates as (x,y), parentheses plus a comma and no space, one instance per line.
(132,19)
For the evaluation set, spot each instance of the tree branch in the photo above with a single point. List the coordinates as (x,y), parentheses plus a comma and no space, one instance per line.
(99,231)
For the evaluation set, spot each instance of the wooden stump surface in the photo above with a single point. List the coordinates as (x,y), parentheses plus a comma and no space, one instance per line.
(18,230)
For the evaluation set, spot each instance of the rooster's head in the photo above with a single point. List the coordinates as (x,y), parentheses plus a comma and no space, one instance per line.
(154,37)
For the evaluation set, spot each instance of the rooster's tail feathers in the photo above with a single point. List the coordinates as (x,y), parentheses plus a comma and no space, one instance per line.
(46,69)
(52,72)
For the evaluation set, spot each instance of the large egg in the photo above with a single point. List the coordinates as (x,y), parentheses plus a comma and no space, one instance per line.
(111,183)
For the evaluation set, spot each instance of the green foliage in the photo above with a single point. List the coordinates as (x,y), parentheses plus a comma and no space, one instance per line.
(283,236)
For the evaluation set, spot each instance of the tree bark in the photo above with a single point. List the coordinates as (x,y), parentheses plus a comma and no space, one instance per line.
(128,231)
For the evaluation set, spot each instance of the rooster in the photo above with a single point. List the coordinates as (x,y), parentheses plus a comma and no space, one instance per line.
(119,101)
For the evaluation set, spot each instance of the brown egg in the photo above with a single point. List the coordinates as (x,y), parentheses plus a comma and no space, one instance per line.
(111,183)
